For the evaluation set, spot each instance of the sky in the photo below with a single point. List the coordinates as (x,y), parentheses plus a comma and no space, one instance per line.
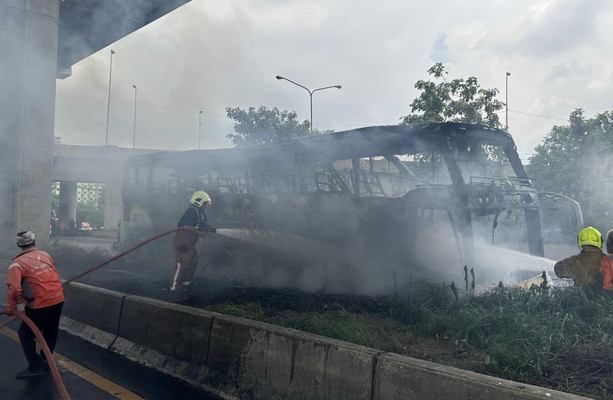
(212,54)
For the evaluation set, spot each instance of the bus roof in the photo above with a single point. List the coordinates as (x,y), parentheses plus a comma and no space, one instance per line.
(363,142)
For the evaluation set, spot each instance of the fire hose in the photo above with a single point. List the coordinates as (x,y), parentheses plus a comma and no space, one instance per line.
(54,371)
(18,314)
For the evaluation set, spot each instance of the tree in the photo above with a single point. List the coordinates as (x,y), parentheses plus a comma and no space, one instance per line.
(574,160)
(456,101)
(265,125)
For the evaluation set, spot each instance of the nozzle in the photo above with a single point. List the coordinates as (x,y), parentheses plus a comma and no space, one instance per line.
(208,229)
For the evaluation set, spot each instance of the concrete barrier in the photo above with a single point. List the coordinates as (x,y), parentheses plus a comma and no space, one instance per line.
(256,360)
(92,313)
(97,307)
(398,378)
(240,358)
(169,337)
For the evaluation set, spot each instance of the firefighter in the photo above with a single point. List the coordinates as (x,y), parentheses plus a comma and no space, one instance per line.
(584,268)
(195,223)
(606,264)
(33,280)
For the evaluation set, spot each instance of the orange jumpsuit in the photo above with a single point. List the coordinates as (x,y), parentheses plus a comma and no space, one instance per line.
(606,270)
(32,277)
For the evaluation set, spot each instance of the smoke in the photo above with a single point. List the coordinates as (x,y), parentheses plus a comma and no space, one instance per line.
(340,256)
(193,77)
(281,259)
(170,93)
(285,219)
(277,259)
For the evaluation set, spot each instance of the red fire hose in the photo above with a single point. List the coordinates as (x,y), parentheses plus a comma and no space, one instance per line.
(54,371)
(131,249)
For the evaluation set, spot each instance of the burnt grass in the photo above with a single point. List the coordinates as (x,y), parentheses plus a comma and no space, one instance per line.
(552,337)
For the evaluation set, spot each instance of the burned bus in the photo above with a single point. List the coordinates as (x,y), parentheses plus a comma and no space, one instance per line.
(381,197)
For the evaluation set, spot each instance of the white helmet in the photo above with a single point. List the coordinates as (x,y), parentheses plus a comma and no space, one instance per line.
(199,197)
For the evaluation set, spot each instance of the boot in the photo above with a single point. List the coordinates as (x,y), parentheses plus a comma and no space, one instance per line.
(30,372)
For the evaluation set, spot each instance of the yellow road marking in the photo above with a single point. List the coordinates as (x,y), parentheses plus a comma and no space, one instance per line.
(90,376)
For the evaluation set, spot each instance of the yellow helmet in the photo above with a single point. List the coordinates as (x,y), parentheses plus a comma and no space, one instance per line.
(590,236)
(199,197)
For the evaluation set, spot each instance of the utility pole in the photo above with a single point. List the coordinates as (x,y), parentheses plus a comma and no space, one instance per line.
(507,100)
(199,127)
(108,103)
(134,134)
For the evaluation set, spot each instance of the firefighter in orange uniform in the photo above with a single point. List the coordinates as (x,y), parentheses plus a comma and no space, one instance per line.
(606,264)
(33,280)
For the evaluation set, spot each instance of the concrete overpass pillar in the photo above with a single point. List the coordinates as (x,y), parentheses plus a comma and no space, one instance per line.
(113,204)
(68,203)
(28,45)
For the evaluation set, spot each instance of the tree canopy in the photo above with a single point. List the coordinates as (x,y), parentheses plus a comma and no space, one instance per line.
(574,160)
(460,100)
(265,125)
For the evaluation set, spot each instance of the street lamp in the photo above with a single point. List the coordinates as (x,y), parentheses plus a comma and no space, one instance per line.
(507,99)
(310,93)
(134,135)
(199,127)
(108,103)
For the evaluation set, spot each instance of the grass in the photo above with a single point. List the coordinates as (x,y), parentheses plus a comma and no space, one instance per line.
(244,310)
(336,323)
(556,338)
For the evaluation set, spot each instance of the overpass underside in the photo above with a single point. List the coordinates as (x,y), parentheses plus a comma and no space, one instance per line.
(86,26)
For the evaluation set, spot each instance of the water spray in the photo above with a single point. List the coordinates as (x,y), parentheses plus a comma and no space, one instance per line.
(283,241)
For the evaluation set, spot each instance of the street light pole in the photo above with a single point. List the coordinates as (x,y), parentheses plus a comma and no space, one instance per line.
(199,127)
(108,103)
(134,135)
(310,93)
(507,100)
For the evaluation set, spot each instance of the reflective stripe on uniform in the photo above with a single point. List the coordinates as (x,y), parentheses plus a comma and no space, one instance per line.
(15,265)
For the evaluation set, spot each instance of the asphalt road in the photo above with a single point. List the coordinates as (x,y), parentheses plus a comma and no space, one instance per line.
(89,373)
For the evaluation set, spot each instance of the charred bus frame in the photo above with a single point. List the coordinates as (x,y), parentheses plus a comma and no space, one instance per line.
(254,187)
